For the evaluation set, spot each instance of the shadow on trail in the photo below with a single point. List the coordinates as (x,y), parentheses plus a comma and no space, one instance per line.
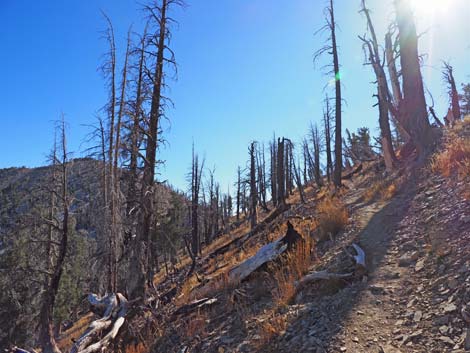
(327,313)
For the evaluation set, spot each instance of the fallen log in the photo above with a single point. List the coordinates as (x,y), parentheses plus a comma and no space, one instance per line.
(114,308)
(322,276)
(355,171)
(361,269)
(258,228)
(267,253)
(197,304)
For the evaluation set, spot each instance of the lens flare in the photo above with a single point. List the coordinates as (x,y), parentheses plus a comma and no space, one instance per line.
(430,7)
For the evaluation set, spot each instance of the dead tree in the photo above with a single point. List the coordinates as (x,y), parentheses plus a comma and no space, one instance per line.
(412,114)
(308,160)
(315,136)
(60,223)
(288,147)
(448,77)
(262,182)
(109,69)
(371,48)
(253,190)
(298,180)
(327,128)
(396,96)
(158,14)
(196,176)
(332,48)
(135,133)
(211,214)
(273,173)
(239,172)
(280,173)
(216,208)
(432,111)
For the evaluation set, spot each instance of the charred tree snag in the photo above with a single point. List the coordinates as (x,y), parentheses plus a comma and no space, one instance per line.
(274,171)
(337,77)
(371,47)
(298,181)
(139,268)
(448,76)
(239,172)
(412,113)
(253,190)
(196,173)
(280,169)
(46,329)
(327,127)
(315,136)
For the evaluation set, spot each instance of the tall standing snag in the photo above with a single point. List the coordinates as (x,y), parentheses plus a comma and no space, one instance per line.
(371,47)
(448,76)
(253,189)
(412,113)
(158,13)
(46,329)
(332,48)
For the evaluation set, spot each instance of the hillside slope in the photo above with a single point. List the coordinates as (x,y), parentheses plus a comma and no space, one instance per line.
(414,229)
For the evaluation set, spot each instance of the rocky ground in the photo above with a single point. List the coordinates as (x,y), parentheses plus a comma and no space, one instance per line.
(415,296)
(419,281)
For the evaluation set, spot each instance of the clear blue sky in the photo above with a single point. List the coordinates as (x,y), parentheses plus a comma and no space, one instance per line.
(245,71)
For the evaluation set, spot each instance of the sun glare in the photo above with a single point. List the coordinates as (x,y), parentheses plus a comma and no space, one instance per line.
(430,7)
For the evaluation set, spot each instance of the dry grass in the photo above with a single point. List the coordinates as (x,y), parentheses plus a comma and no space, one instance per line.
(290,269)
(195,326)
(68,337)
(332,218)
(454,160)
(136,348)
(270,328)
(382,189)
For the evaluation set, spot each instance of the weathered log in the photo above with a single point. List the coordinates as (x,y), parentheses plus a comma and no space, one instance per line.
(197,304)
(114,308)
(360,259)
(267,253)
(259,227)
(355,171)
(322,276)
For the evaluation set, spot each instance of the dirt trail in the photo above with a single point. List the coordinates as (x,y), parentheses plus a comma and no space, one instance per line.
(396,308)
(418,255)
(371,322)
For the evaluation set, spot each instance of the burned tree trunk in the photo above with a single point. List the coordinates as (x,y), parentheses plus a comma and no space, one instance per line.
(239,172)
(338,139)
(196,172)
(135,130)
(327,127)
(273,174)
(140,263)
(315,136)
(412,113)
(448,76)
(262,188)
(46,329)
(281,198)
(253,191)
(372,50)
(298,181)
(392,69)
